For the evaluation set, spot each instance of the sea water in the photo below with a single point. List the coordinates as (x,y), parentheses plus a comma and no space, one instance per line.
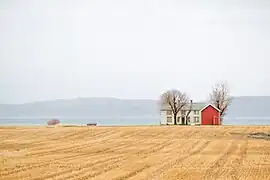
(101,121)
(120,121)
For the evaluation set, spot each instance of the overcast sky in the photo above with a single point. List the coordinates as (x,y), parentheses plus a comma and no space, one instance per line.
(55,49)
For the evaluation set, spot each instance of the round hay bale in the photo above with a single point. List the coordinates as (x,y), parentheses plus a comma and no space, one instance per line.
(53,122)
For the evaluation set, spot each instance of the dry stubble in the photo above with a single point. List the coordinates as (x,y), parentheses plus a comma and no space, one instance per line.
(118,153)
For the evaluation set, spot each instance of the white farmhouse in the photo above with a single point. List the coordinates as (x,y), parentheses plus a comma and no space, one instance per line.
(200,114)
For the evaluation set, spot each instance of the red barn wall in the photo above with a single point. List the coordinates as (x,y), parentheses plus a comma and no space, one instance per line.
(208,114)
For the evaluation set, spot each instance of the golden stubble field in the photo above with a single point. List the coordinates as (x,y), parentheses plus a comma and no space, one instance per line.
(117,153)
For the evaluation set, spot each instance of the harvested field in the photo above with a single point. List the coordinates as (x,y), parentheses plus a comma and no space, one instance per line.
(166,152)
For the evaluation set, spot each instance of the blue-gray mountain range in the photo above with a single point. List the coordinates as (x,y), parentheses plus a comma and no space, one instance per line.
(244,106)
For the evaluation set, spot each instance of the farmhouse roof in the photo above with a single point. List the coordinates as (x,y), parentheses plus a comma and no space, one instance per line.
(196,106)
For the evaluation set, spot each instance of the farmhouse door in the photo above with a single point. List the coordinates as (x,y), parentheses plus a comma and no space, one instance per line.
(183,120)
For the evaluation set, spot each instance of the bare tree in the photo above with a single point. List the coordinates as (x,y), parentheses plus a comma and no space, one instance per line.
(176,100)
(188,112)
(220,97)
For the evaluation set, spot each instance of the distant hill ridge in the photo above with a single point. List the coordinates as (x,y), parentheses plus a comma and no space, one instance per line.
(243,106)
(83,107)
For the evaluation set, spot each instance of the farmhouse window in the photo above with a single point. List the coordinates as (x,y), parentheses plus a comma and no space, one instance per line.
(196,119)
(169,113)
(183,112)
(169,119)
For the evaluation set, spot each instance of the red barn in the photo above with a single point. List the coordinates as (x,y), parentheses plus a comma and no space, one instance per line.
(210,115)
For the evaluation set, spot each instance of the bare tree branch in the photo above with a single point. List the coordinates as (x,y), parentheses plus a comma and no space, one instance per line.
(176,101)
(220,97)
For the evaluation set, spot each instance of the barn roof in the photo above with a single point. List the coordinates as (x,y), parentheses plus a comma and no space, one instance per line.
(196,106)
(207,105)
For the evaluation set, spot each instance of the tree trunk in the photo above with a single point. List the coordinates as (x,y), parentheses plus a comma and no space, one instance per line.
(220,120)
(174,118)
(186,117)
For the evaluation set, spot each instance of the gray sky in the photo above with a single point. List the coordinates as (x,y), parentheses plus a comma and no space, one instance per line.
(132,49)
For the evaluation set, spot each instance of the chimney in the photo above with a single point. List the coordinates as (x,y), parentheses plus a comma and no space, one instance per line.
(218,104)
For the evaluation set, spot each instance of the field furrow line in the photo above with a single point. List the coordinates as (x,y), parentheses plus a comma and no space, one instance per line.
(217,168)
(125,160)
(165,158)
(110,149)
(162,134)
(31,166)
(53,147)
(66,158)
(127,135)
(91,168)
(88,133)
(62,136)
(58,149)
(230,168)
(153,149)
(191,163)
(99,134)
(108,164)
(198,148)
(238,173)
(80,168)
(77,134)
(108,167)
(133,173)
(43,164)
(191,134)
(22,169)
(70,148)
